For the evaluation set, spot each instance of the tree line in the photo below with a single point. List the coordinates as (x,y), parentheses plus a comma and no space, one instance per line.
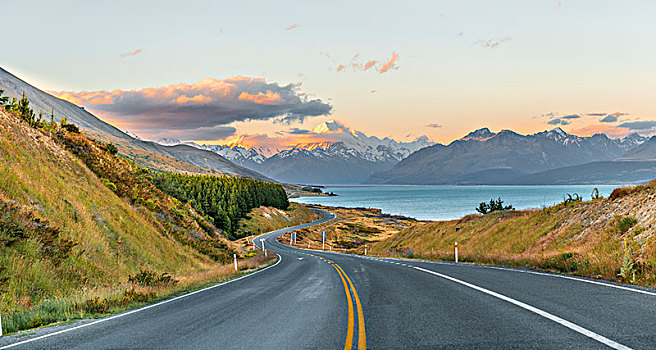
(222,200)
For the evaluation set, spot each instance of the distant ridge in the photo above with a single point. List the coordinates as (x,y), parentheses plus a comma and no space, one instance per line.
(506,157)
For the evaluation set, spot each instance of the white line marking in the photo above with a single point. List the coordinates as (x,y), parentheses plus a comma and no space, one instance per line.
(139,309)
(544,274)
(563,322)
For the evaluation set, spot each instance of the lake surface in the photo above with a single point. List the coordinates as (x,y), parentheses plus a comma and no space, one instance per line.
(448,202)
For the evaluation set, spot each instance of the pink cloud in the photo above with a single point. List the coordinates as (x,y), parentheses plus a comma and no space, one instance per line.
(389,64)
(267,98)
(200,106)
(293,26)
(133,53)
(492,43)
(357,66)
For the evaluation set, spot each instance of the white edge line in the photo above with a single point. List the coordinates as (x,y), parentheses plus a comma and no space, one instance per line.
(139,309)
(563,322)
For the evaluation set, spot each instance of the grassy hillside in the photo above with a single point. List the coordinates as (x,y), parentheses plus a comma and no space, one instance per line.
(585,238)
(84,232)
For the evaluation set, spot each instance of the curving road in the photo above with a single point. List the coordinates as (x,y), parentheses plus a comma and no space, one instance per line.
(324,300)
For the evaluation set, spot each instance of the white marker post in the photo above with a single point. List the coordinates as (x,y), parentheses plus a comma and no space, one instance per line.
(308,245)
(263,249)
(323,240)
(291,235)
(0,324)
(365,250)
(235,255)
(456,252)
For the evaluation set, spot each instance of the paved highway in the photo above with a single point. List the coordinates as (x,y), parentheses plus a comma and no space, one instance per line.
(324,300)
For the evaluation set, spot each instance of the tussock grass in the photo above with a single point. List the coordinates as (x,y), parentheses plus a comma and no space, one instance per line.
(583,238)
(76,222)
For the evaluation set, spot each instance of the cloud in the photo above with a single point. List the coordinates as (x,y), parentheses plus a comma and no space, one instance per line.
(596,114)
(433,125)
(558,121)
(609,119)
(297,131)
(389,64)
(379,66)
(205,104)
(370,64)
(639,125)
(492,43)
(571,116)
(373,91)
(267,98)
(293,26)
(133,53)
(609,130)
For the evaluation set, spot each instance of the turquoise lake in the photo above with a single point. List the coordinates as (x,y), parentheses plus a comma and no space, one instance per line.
(448,202)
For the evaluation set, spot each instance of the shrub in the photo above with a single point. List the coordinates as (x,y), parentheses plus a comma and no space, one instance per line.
(151,279)
(110,148)
(109,184)
(620,192)
(494,205)
(625,223)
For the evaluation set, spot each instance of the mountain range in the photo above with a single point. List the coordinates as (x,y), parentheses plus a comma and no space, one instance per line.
(506,157)
(176,158)
(343,156)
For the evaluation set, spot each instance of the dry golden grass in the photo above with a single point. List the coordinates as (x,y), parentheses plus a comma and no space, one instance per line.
(584,238)
(351,230)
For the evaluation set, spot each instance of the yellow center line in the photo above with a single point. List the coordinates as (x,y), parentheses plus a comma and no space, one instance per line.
(349,328)
(362,336)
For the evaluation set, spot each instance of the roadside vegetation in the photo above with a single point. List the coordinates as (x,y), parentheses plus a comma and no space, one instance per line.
(85,232)
(609,238)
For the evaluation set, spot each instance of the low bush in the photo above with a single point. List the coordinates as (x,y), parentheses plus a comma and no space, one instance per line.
(625,223)
(151,279)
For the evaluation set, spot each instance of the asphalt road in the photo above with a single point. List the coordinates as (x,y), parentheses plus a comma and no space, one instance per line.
(325,300)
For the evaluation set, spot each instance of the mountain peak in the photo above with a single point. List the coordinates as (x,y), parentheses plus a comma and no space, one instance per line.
(327,127)
(558,131)
(481,134)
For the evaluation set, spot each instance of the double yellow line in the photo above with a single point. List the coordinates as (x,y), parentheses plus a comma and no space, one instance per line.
(362,335)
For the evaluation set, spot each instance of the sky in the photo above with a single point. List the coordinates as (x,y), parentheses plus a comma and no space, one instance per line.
(265,71)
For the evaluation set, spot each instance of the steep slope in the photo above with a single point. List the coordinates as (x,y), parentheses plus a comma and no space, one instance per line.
(645,152)
(149,154)
(612,172)
(483,157)
(66,237)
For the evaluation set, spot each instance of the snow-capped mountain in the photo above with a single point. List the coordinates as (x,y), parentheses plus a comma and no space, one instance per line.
(343,156)
(484,157)
(340,155)
(248,158)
